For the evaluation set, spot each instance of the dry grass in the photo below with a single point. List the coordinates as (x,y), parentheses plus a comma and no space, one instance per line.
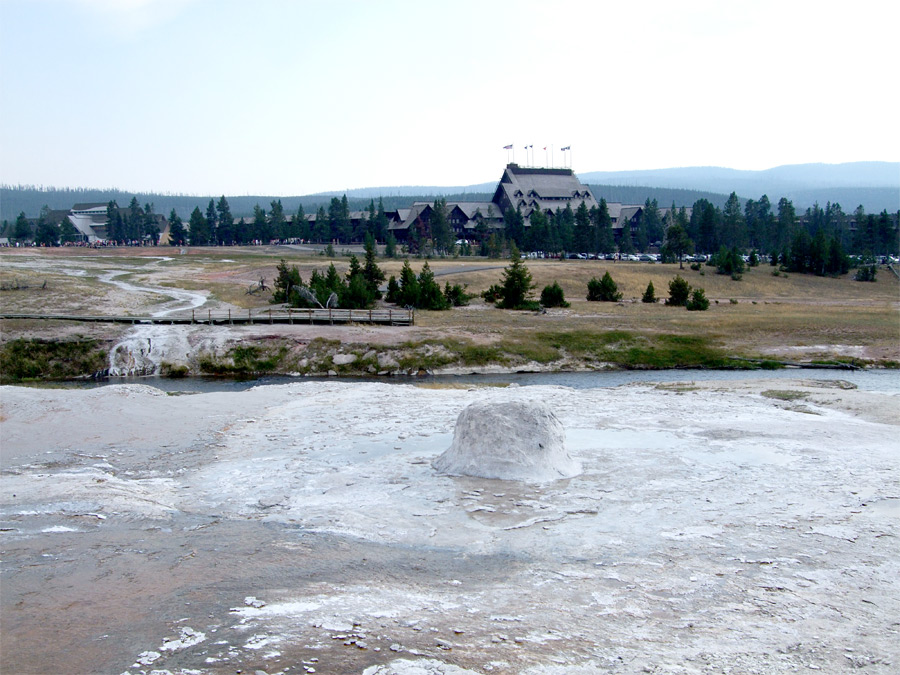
(797,316)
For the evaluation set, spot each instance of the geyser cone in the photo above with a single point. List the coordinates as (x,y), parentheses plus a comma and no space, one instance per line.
(513,440)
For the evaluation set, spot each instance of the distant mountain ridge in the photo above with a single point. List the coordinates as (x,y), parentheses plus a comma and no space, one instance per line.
(755,183)
(875,185)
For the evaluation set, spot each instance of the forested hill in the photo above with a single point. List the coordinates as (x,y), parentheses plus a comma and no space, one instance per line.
(17,199)
(874,185)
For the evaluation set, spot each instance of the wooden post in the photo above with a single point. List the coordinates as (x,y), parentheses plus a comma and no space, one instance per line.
(330,319)
(209,316)
(270,317)
(290,317)
(192,316)
(229,318)
(250,316)
(309,313)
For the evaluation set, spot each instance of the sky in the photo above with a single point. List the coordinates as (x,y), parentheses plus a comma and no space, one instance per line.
(294,97)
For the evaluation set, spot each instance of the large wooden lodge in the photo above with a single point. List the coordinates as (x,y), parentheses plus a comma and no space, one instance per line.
(527,188)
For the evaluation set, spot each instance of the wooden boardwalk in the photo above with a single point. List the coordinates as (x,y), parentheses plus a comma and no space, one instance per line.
(385,317)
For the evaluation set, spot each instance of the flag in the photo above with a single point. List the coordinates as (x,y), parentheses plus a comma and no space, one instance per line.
(545,148)
(568,147)
(507,147)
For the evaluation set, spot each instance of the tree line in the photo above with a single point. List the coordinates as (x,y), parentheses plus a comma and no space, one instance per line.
(217,226)
(757,226)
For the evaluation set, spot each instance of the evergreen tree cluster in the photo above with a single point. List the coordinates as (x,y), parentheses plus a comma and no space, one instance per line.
(422,291)
(358,289)
(218,226)
(774,230)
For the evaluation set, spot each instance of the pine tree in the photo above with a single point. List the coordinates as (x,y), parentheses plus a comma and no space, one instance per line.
(441,234)
(584,232)
(371,272)
(430,294)
(390,246)
(626,245)
(177,234)
(277,221)
(516,282)
(678,243)
(212,221)
(553,296)
(225,224)
(198,231)
(22,230)
(698,301)
(46,233)
(261,229)
(605,241)
(603,290)
(409,287)
(679,292)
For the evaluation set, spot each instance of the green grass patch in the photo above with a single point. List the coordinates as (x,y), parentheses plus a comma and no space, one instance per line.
(539,352)
(631,350)
(481,355)
(245,360)
(24,360)
(785,394)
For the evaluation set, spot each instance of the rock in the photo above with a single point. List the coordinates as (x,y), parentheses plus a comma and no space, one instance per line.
(512,440)
(343,359)
(387,362)
(369,355)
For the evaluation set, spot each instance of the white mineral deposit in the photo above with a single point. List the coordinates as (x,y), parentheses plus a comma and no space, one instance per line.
(509,440)
(744,527)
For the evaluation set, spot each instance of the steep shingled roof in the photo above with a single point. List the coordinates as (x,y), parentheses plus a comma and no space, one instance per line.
(546,189)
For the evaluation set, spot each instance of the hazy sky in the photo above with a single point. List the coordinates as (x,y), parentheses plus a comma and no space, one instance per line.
(293,97)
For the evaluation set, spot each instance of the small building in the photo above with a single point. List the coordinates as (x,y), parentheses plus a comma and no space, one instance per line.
(90,220)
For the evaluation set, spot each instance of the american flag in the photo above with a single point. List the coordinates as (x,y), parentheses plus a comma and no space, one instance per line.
(568,147)
(507,147)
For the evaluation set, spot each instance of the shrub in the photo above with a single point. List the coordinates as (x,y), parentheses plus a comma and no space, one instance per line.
(552,296)
(698,301)
(695,266)
(604,290)
(430,294)
(456,295)
(393,290)
(649,294)
(492,294)
(679,291)
(729,262)
(866,273)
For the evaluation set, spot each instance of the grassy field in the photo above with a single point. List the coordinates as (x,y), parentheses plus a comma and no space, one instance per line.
(761,316)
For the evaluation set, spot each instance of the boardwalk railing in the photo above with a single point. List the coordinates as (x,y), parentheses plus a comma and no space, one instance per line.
(387,317)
